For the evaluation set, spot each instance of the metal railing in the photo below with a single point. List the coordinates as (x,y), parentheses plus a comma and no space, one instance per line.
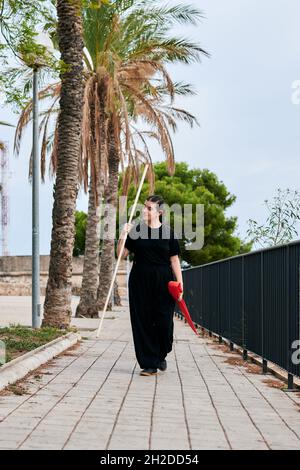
(252,300)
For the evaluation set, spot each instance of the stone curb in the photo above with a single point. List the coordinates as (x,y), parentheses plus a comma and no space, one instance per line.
(19,367)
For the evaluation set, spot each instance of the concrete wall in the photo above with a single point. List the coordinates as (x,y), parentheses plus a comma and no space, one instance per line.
(15,275)
(9,264)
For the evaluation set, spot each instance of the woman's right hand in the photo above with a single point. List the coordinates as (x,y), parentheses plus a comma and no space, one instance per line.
(127,227)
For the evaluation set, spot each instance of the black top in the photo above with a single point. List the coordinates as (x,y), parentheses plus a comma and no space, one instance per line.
(152,245)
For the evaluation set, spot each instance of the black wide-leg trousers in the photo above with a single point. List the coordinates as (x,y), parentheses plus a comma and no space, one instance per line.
(151,312)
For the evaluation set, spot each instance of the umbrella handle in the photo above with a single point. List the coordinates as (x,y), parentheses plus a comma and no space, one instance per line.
(181,290)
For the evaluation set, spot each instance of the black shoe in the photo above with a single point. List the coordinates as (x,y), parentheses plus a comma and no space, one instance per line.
(163,365)
(148,371)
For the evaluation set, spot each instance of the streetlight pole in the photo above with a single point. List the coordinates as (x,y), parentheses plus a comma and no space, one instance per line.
(36,306)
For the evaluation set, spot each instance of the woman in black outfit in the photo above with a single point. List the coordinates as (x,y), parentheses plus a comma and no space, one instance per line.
(156,261)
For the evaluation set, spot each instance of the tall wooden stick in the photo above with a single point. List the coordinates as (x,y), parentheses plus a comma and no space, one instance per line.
(122,248)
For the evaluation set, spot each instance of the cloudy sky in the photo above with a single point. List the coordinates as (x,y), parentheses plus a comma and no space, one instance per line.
(249,134)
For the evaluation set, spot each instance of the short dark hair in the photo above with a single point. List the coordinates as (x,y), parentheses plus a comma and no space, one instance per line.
(159,200)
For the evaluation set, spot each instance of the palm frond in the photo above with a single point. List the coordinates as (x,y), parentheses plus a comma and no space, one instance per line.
(180,114)
(154,118)
(50,91)
(4,123)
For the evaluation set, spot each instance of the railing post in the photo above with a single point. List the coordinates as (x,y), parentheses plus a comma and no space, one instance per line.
(243,305)
(219,307)
(262,307)
(287,293)
(290,385)
(264,366)
(201,313)
(229,298)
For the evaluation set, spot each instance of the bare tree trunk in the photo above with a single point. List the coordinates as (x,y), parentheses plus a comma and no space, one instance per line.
(57,306)
(111,193)
(87,306)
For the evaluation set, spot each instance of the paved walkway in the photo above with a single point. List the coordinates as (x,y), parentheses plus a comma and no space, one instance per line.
(92,397)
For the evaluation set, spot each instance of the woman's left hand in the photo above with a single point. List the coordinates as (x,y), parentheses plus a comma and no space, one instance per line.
(180,295)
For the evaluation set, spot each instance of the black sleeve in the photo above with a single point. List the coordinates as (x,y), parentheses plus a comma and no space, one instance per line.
(130,243)
(174,245)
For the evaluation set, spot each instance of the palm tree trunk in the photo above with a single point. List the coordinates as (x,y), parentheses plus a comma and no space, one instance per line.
(57,306)
(111,193)
(88,293)
(87,306)
(117,298)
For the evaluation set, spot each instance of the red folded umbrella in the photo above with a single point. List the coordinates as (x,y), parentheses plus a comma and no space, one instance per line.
(175,290)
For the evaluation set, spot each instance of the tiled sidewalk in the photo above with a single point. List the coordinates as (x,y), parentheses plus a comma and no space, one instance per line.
(93,397)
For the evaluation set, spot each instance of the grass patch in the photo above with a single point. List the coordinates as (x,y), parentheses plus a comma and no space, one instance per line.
(19,339)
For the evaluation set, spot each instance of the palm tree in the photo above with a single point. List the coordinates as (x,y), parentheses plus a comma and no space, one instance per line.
(57,306)
(110,198)
(135,48)
(125,79)
(168,116)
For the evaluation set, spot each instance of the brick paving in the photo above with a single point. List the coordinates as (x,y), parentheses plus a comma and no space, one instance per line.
(92,397)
